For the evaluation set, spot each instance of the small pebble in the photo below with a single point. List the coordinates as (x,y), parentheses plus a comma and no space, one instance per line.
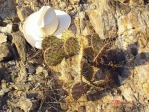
(3,38)
(5,52)
(39,70)
(31,69)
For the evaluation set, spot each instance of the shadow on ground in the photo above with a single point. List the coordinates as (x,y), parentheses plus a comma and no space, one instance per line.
(120,63)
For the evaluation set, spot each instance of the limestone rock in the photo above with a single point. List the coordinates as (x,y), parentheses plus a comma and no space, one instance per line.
(142,73)
(19,86)
(106,34)
(127,93)
(133,25)
(8,29)
(106,27)
(39,70)
(3,38)
(4,88)
(74,1)
(146,88)
(24,104)
(20,43)
(83,24)
(5,52)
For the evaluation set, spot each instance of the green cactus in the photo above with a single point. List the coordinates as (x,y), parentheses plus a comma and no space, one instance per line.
(71,46)
(53,50)
(54,55)
(51,41)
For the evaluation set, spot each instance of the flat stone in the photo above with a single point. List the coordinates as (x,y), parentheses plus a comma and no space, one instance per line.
(103,28)
(20,43)
(127,93)
(3,38)
(5,52)
(9,28)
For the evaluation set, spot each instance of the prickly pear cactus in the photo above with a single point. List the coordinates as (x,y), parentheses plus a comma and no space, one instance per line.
(55,49)
(71,46)
(77,59)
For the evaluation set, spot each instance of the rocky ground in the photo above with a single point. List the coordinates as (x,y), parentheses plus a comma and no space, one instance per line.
(107,70)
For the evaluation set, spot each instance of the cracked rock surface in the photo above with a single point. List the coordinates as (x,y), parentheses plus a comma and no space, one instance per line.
(101,64)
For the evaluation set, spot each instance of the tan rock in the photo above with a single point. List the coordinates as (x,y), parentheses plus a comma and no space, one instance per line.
(5,52)
(130,25)
(39,70)
(133,2)
(20,43)
(8,29)
(23,12)
(146,88)
(136,2)
(74,1)
(127,93)
(106,27)
(24,104)
(3,38)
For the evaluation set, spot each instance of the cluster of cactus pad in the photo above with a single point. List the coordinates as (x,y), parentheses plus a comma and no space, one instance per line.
(78,59)
(55,49)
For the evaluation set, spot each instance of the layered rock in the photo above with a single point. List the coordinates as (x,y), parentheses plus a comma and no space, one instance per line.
(5,52)
(103,65)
